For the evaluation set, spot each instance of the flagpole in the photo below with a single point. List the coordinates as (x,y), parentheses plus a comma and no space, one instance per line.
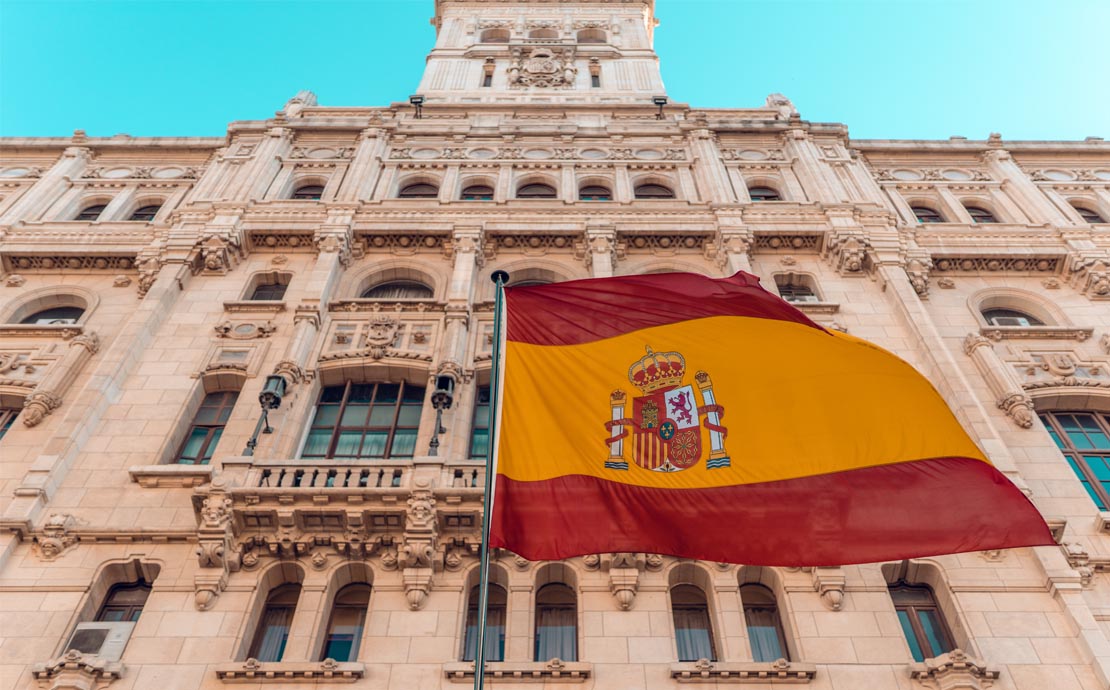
(499,278)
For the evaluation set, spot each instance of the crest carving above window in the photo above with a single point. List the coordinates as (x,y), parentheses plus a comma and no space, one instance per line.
(543,67)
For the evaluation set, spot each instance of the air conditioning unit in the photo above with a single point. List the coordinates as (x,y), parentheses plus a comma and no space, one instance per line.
(105,640)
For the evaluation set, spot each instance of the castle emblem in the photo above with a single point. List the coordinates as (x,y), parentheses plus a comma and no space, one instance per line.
(666,422)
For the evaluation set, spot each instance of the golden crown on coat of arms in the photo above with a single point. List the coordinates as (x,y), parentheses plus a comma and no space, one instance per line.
(657,370)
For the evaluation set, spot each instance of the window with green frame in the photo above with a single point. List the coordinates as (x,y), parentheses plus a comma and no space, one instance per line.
(365,420)
(208,426)
(922,621)
(1084,439)
(479,428)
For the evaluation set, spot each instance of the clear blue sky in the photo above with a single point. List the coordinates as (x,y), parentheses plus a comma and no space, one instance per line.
(1029,69)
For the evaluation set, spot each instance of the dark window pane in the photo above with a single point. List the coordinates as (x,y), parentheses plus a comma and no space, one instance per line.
(332,394)
(409,415)
(269,291)
(653,191)
(355,415)
(193,445)
(911,636)
(479,443)
(934,631)
(317,444)
(326,415)
(212,441)
(145,214)
(91,213)
(55,316)
(763,194)
(399,290)
(309,192)
(404,443)
(419,191)
(373,445)
(347,445)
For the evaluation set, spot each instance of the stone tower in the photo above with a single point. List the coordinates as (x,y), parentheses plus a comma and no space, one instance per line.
(541,51)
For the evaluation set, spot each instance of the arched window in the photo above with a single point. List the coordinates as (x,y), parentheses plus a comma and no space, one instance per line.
(7,418)
(556,623)
(397,290)
(921,619)
(595,193)
(91,213)
(536,191)
(764,194)
(208,426)
(273,626)
(495,36)
(1088,215)
(124,603)
(761,614)
(796,289)
(145,213)
(1010,317)
(478,192)
(592,36)
(479,428)
(924,214)
(1084,439)
(653,191)
(980,215)
(365,420)
(692,629)
(421,190)
(495,624)
(310,192)
(55,316)
(543,33)
(348,618)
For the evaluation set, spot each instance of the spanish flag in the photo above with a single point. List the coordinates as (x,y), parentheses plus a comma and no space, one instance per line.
(707,418)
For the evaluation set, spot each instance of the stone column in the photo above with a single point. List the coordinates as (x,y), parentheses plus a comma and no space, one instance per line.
(34,202)
(466,253)
(1000,378)
(601,250)
(1027,195)
(47,396)
(816,177)
(733,247)
(256,176)
(359,182)
(708,166)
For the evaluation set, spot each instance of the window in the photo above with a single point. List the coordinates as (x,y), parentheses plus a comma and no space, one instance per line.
(365,420)
(595,81)
(1088,215)
(348,618)
(91,213)
(556,623)
(761,614)
(980,215)
(536,191)
(692,630)
(1084,439)
(922,623)
(796,292)
(495,36)
(495,624)
(653,191)
(477,192)
(487,80)
(7,418)
(1010,317)
(124,603)
(54,317)
(145,213)
(479,429)
(592,36)
(595,193)
(419,191)
(311,192)
(764,194)
(399,290)
(269,291)
(273,626)
(208,426)
(924,214)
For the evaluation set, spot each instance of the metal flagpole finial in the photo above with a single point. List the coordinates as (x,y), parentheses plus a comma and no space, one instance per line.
(499,277)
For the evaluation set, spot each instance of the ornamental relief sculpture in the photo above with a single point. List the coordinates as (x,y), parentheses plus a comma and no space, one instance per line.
(542,67)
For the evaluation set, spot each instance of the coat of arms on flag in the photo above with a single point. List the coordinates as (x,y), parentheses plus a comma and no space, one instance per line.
(666,422)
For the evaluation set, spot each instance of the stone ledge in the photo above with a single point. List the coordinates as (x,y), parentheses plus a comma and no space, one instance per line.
(554,671)
(1036,333)
(955,670)
(775,672)
(326,671)
(77,670)
(816,307)
(170,476)
(255,306)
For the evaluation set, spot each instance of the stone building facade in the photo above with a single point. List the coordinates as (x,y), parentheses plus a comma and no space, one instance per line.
(151,287)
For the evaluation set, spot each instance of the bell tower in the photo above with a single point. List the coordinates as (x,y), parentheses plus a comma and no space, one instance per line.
(543,51)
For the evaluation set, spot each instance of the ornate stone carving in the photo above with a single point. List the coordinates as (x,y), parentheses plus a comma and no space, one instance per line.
(291,371)
(848,252)
(148,272)
(829,583)
(1018,407)
(37,405)
(918,266)
(216,547)
(416,554)
(56,538)
(121,281)
(244,330)
(954,670)
(1000,378)
(76,671)
(333,243)
(543,68)
(218,254)
(380,335)
(1092,276)
(15,280)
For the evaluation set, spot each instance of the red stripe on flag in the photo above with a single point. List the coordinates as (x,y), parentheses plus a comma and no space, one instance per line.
(582,311)
(882,513)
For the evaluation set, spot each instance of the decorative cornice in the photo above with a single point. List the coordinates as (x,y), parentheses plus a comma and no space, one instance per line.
(257,672)
(706,671)
(555,670)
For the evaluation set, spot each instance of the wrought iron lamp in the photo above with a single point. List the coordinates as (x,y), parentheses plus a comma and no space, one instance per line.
(417,101)
(268,399)
(442,397)
(659,101)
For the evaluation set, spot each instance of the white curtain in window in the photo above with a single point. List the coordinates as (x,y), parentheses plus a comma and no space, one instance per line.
(691,631)
(556,633)
(273,633)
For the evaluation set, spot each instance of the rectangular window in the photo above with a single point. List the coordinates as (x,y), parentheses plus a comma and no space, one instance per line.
(365,420)
(479,430)
(487,80)
(270,291)
(595,81)
(1084,440)
(208,426)
(7,417)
